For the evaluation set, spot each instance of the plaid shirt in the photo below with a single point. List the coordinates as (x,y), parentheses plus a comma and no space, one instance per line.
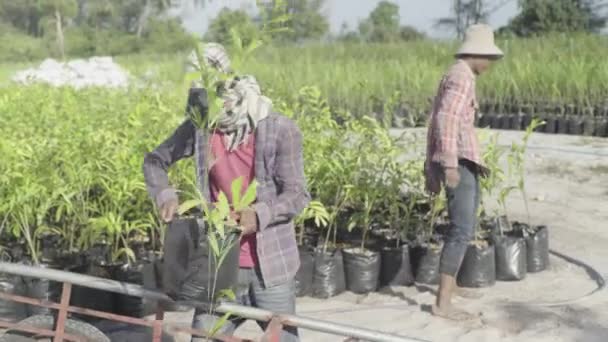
(451,133)
(281,190)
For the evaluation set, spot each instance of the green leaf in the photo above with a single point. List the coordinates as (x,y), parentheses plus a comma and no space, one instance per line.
(219,324)
(249,196)
(237,188)
(227,293)
(188,205)
(222,206)
(213,244)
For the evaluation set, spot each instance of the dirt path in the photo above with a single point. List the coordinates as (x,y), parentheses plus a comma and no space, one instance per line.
(567,179)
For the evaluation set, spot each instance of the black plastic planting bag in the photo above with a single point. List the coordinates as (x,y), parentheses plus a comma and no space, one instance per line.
(90,298)
(42,289)
(511,258)
(305,274)
(478,267)
(538,250)
(190,269)
(329,279)
(10,310)
(135,306)
(396,267)
(426,264)
(361,270)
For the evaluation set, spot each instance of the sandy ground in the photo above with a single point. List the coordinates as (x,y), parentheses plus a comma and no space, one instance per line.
(568,184)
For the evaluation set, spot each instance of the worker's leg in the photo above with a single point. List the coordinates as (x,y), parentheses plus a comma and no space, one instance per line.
(279,299)
(462,206)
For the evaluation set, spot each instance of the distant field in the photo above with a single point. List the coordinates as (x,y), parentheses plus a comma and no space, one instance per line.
(560,71)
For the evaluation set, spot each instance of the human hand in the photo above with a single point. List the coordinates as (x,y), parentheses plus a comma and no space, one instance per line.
(452,177)
(168,210)
(248,221)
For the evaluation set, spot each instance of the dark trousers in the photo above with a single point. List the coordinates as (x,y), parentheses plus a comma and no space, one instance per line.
(463,202)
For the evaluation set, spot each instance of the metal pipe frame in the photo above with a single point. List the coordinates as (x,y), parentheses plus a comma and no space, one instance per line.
(224,307)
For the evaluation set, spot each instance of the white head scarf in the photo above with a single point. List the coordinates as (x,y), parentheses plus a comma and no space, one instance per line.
(244,107)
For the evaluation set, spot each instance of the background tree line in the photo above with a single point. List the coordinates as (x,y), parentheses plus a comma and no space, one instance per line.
(34,29)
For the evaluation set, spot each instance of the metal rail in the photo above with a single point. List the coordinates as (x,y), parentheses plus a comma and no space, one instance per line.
(237,310)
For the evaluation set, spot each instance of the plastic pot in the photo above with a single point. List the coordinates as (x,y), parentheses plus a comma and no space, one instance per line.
(425,259)
(190,269)
(550,125)
(526,120)
(135,274)
(503,122)
(515,122)
(305,274)
(601,128)
(201,283)
(562,125)
(9,310)
(396,267)
(588,126)
(478,267)
(575,126)
(328,279)
(92,298)
(537,245)
(361,270)
(511,258)
(484,121)
(42,289)
(494,121)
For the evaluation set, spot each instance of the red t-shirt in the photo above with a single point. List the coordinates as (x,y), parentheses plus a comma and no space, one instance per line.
(227,167)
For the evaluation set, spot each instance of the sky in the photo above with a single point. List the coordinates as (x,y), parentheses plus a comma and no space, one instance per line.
(421,14)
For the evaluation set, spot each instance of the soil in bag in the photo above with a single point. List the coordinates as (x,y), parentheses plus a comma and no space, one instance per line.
(425,259)
(328,279)
(361,270)
(511,258)
(42,289)
(537,245)
(396,269)
(305,274)
(478,266)
(135,274)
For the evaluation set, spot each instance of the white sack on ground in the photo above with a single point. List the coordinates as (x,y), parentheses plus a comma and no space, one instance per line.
(79,73)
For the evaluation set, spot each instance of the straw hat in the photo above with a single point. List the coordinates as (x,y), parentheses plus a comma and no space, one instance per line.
(479,41)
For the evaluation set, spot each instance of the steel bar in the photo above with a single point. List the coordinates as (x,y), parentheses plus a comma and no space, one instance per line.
(38,331)
(200,333)
(82,280)
(78,310)
(237,310)
(313,324)
(62,317)
(157,329)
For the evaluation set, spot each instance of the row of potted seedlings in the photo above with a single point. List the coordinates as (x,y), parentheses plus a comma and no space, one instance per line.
(587,121)
(497,253)
(96,261)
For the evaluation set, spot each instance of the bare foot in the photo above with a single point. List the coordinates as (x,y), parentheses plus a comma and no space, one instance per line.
(468,294)
(452,314)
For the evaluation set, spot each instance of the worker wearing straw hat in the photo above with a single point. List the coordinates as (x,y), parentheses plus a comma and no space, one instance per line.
(453,157)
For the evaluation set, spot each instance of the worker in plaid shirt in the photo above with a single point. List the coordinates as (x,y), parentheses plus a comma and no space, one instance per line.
(254,143)
(453,157)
